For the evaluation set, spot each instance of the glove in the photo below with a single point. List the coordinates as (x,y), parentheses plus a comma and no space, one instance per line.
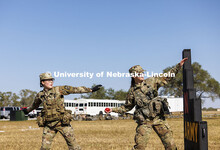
(96,88)
(25,111)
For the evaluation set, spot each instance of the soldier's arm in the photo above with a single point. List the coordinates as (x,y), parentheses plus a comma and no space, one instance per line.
(35,104)
(129,105)
(161,81)
(66,90)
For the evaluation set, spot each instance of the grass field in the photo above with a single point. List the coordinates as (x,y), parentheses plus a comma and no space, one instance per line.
(96,135)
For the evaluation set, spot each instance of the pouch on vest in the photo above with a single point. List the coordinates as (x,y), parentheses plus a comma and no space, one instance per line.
(40,120)
(159,106)
(155,107)
(52,115)
(67,117)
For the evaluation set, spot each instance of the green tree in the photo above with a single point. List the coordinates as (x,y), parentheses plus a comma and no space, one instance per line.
(205,85)
(109,93)
(100,94)
(106,94)
(27,97)
(9,99)
(15,101)
(120,95)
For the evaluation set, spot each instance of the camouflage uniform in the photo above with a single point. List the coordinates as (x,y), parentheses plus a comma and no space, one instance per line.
(54,118)
(149,109)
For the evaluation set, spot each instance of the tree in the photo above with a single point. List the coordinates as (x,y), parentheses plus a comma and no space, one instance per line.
(15,101)
(100,94)
(205,85)
(27,97)
(9,99)
(120,95)
(103,93)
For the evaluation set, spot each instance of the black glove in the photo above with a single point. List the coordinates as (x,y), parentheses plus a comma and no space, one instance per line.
(25,111)
(96,88)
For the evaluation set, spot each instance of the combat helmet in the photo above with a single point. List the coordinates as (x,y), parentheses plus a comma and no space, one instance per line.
(137,69)
(45,76)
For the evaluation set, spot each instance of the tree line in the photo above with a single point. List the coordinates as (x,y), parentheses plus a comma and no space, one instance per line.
(24,98)
(205,85)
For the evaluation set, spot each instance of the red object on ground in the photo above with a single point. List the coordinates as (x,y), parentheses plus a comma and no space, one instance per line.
(107,109)
(23,108)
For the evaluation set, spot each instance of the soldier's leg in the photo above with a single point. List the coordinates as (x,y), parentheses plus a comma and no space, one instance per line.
(164,132)
(68,134)
(47,138)
(142,135)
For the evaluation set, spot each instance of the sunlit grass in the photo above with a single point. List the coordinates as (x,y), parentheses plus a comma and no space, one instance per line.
(96,135)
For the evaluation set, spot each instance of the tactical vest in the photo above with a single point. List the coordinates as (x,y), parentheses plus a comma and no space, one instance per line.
(53,106)
(144,94)
(148,105)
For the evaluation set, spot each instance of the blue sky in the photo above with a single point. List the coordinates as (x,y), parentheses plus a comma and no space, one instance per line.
(103,35)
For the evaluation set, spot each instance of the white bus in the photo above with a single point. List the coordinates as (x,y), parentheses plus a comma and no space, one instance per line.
(92,106)
(175,104)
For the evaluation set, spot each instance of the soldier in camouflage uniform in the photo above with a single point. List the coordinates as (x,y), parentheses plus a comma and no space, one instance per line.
(54,117)
(150,109)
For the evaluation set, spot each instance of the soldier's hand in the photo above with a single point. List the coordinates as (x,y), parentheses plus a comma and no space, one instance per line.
(183,61)
(96,88)
(25,111)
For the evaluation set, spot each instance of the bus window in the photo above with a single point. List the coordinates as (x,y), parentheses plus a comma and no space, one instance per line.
(85,104)
(111,104)
(120,104)
(102,104)
(77,104)
(91,104)
(81,105)
(94,104)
